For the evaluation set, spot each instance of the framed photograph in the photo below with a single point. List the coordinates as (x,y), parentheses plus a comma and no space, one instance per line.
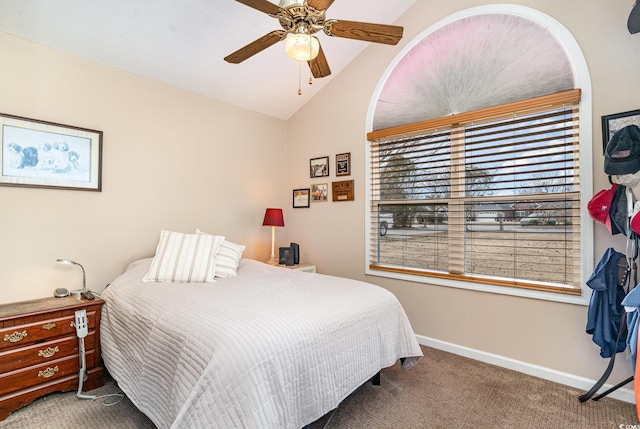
(47,155)
(320,192)
(301,198)
(319,167)
(285,256)
(613,123)
(343,164)
(343,190)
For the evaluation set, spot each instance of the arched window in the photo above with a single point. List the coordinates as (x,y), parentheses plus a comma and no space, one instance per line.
(475,157)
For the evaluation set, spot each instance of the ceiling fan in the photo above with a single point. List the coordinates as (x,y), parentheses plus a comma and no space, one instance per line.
(300,19)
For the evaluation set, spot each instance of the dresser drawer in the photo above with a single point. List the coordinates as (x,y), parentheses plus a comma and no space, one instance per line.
(43,352)
(38,374)
(29,333)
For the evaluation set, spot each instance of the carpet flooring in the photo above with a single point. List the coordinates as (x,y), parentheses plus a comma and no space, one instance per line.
(442,391)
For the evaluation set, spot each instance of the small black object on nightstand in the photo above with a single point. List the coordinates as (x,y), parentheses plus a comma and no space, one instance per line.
(87,294)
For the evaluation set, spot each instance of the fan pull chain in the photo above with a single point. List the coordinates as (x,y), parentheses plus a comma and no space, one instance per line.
(299,79)
(310,61)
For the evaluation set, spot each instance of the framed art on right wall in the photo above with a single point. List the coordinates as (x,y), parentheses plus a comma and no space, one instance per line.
(342,190)
(319,167)
(613,123)
(319,192)
(301,198)
(343,164)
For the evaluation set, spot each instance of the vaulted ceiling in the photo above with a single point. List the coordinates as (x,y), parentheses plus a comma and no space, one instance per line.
(183,43)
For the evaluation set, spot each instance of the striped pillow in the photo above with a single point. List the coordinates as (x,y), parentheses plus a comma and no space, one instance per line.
(184,258)
(227,258)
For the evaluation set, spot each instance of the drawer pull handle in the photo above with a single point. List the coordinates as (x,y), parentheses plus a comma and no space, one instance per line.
(49,326)
(49,372)
(15,337)
(73,325)
(48,352)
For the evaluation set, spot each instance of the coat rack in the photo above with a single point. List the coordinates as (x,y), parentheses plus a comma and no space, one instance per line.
(619,213)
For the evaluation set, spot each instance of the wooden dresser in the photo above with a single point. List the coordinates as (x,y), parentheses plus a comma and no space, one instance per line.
(39,349)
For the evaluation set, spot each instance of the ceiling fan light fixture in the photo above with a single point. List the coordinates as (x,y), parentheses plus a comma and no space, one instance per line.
(302,46)
(285,4)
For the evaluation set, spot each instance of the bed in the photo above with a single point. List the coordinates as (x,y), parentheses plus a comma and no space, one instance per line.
(267,348)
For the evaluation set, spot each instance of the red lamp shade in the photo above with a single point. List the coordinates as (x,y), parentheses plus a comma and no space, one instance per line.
(273,217)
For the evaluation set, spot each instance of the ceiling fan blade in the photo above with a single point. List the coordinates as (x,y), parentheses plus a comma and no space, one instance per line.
(320,4)
(256,46)
(319,65)
(377,33)
(262,5)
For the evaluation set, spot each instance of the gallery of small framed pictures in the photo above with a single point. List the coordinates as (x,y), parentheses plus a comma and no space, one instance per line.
(319,167)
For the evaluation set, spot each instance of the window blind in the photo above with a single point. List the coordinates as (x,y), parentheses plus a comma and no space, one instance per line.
(491,196)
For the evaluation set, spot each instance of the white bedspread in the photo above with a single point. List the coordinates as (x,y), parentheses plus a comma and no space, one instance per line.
(270,348)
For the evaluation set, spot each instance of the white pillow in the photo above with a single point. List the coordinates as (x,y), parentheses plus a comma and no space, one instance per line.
(184,258)
(227,258)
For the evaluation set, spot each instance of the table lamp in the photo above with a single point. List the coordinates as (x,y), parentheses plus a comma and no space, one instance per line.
(81,292)
(273,218)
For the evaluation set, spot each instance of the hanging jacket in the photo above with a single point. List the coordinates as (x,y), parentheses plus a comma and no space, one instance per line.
(605,308)
(631,304)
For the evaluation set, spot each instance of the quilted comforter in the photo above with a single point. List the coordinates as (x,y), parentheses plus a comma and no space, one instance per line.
(270,348)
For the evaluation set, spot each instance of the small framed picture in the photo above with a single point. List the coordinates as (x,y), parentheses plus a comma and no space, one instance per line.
(611,124)
(301,198)
(320,192)
(319,167)
(343,190)
(285,256)
(343,164)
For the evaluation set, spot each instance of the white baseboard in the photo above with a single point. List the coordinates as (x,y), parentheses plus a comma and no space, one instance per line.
(623,394)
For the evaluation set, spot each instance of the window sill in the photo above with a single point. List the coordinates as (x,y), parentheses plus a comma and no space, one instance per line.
(569,298)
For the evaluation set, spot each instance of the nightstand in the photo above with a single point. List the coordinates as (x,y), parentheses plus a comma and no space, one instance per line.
(307,268)
(39,349)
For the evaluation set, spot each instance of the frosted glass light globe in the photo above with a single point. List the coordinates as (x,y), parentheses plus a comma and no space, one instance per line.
(302,47)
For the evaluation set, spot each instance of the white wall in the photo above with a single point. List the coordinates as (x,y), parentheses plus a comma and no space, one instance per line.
(171,160)
(548,334)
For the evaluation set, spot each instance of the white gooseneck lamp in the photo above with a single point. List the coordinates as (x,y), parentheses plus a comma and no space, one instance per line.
(76,293)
